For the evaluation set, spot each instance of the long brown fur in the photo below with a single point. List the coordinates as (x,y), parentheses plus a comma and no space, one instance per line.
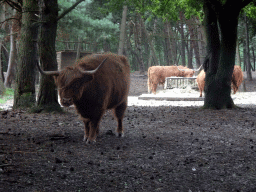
(157,75)
(92,95)
(237,79)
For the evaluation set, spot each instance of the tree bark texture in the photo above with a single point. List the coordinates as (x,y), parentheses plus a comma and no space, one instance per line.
(247,51)
(24,94)
(143,28)
(221,34)
(1,72)
(138,43)
(122,32)
(12,62)
(194,42)
(48,96)
(182,50)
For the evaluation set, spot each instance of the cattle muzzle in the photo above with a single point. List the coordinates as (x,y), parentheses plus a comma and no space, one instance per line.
(66,102)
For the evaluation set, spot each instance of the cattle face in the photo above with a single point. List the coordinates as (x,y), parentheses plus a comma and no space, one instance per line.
(186,71)
(237,79)
(94,84)
(71,83)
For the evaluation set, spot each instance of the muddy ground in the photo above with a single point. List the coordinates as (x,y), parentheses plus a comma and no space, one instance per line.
(165,148)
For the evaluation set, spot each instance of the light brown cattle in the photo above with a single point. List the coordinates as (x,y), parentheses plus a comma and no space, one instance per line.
(237,79)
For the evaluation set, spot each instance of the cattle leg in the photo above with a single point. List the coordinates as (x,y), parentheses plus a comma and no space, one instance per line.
(94,130)
(86,129)
(119,113)
(154,86)
(149,86)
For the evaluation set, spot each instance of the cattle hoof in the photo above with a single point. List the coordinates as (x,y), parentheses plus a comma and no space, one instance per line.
(120,135)
(90,142)
(85,139)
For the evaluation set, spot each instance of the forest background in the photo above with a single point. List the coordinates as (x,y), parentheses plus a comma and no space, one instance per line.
(155,33)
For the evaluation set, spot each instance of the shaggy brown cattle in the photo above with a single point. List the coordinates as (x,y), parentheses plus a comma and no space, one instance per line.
(157,75)
(201,81)
(187,72)
(93,91)
(237,79)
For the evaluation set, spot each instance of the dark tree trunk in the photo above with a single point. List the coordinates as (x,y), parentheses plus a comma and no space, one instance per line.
(1,72)
(190,54)
(194,42)
(221,48)
(12,62)
(48,97)
(253,58)
(247,51)
(24,95)
(138,43)
(244,58)
(122,31)
(182,50)
(10,74)
(168,53)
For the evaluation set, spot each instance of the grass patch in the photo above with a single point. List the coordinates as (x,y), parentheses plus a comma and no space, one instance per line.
(7,95)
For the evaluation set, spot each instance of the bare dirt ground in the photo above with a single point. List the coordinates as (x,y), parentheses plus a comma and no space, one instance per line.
(165,148)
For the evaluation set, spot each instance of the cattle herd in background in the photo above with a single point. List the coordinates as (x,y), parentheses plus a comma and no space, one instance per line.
(157,75)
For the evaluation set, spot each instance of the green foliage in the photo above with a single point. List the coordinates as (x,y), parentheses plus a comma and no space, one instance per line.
(250,11)
(88,23)
(7,95)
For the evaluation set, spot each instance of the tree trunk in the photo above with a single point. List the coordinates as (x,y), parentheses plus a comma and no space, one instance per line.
(202,41)
(138,36)
(167,45)
(190,54)
(12,64)
(238,55)
(220,60)
(129,47)
(48,97)
(253,58)
(244,58)
(194,42)
(147,37)
(182,50)
(173,46)
(24,95)
(247,51)
(78,49)
(1,82)
(122,32)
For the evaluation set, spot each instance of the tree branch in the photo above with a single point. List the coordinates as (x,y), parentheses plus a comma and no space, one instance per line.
(7,20)
(14,5)
(69,9)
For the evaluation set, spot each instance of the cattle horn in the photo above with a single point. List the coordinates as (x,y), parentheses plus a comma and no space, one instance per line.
(46,72)
(192,69)
(198,68)
(92,71)
(178,68)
